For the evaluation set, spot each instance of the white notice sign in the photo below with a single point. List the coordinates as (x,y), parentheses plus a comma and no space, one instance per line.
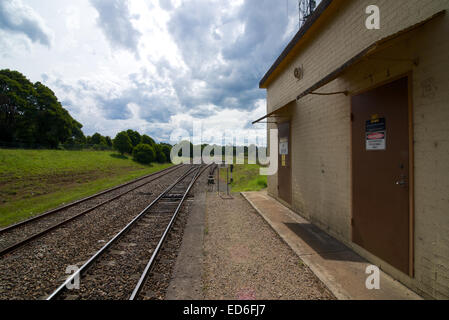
(283,146)
(376,140)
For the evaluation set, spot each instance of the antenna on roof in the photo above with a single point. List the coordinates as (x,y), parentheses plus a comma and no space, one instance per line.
(306,8)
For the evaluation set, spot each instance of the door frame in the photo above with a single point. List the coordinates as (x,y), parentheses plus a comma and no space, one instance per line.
(409,76)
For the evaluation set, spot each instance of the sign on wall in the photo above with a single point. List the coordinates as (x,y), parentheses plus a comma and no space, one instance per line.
(376,134)
(283,146)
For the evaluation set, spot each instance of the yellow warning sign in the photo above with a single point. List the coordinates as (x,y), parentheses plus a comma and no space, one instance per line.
(283,160)
(375,118)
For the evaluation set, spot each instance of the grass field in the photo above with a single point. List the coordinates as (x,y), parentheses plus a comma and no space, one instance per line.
(34,181)
(247,178)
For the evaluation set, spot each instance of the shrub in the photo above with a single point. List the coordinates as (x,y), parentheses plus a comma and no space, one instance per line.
(166,150)
(134,136)
(108,141)
(98,139)
(160,156)
(144,153)
(122,143)
(147,140)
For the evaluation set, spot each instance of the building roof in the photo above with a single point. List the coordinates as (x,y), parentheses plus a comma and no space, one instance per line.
(299,35)
(370,50)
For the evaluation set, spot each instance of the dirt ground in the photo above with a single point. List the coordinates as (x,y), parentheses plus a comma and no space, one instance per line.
(245,259)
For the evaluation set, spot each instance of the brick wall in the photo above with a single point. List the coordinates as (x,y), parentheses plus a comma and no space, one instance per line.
(321,180)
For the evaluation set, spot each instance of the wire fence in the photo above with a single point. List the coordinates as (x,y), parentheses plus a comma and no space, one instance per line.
(69,147)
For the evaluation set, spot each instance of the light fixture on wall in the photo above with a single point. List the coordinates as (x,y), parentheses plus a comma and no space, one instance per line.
(299,73)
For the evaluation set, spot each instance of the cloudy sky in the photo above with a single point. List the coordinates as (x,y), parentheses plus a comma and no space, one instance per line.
(150,65)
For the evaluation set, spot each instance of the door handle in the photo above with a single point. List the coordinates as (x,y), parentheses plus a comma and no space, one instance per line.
(401,183)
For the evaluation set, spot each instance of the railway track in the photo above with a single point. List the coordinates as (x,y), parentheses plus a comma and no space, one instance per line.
(17,235)
(120,268)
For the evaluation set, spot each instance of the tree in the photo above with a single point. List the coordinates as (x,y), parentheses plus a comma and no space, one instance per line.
(147,140)
(160,156)
(108,141)
(134,136)
(16,92)
(144,153)
(31,113)
(166,149)
(99,139)
(122,143)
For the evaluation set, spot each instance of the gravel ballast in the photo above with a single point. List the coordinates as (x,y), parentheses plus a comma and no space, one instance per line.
(159,278)
(26,230)
(246,260)
(38,268)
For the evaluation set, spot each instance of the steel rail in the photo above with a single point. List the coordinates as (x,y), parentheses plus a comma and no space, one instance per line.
(48,213)
(150,263)
(37,235)
(92,259)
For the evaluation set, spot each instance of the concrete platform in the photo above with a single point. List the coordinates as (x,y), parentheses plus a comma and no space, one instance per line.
(337,266)
(186,283)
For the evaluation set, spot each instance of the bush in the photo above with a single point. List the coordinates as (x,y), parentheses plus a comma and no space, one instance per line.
(144,153)
(160,156)
(166,150)
(108,141)
(134,136)
(147,140)
(98,139)
(122,143)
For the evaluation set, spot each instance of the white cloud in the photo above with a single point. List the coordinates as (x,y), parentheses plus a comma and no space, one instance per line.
(153,66)
(73,18)
(20,19)
(116,22)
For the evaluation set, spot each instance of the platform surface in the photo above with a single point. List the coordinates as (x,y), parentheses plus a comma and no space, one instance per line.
(337,266)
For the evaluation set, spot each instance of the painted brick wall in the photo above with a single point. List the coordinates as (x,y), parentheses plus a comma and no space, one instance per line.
(321,127)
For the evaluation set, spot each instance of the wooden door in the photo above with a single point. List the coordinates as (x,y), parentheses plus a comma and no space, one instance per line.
(381,173)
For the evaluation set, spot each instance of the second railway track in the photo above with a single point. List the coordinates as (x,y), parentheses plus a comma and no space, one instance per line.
(119,269)
(36,269)
(15,236)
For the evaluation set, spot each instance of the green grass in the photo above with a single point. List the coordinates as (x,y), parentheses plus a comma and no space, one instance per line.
(34,181)
(247,178)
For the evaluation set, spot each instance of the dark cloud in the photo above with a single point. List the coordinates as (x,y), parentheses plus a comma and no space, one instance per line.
(204,32)
(166,4)
(115,21)
(155,104)
(17,18)
(226,53)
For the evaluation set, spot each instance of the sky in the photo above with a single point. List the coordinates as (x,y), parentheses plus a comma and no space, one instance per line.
(150,65)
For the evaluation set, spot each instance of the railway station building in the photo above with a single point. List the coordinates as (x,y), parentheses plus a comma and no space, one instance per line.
(362,110)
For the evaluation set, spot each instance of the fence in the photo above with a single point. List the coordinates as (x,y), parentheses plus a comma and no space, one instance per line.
(71,147)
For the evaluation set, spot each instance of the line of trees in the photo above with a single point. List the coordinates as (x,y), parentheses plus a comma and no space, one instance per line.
(142,147)
(31,115)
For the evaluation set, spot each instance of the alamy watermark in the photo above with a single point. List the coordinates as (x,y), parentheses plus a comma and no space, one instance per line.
(373,280)
(73,282)
(372,22)
(226,147)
